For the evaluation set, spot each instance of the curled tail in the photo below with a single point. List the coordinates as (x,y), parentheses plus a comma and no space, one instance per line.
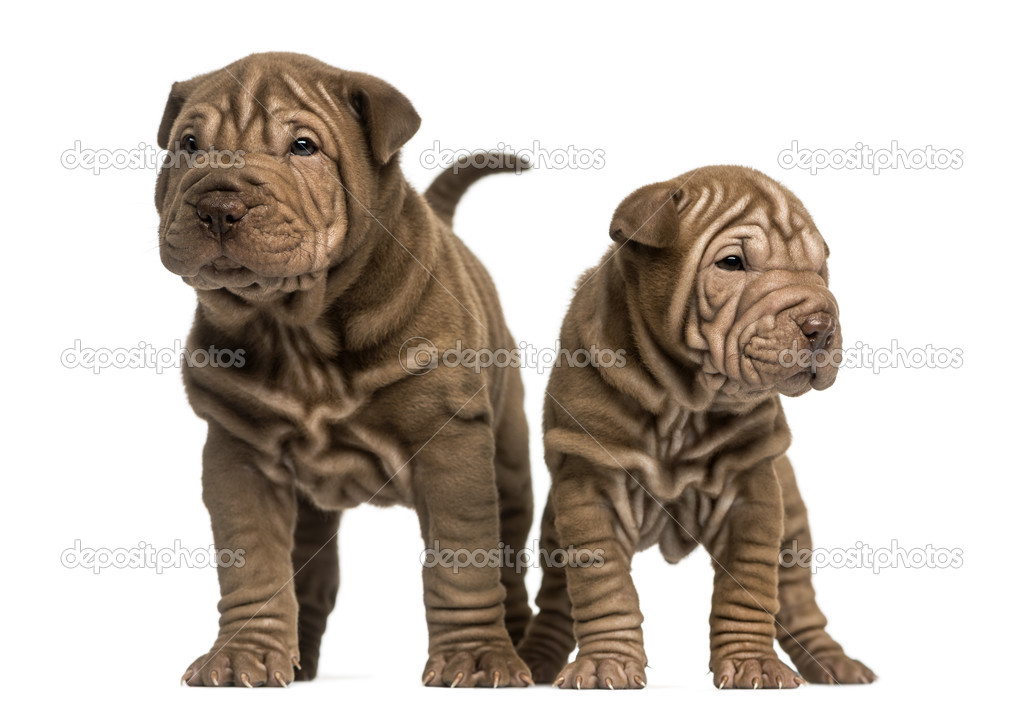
(449,186)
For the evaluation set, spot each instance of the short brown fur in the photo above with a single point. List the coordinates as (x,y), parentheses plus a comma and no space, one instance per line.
(684,442)
(320,268)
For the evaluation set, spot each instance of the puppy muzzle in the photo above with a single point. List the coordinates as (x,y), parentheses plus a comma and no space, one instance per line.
(788,341)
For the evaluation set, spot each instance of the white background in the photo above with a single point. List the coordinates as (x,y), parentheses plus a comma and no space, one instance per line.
(921,456)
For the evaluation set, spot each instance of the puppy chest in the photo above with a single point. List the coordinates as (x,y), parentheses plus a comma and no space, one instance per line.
(679,443)
(343,464)
(679,501)
(327,437)
(337,449)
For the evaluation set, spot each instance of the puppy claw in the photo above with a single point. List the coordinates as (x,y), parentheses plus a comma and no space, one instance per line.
(496,679)
(295,662)
(608,683)
(639,681)
(799,681)
(280,679)
(579,682)
(244,677)
(428,677)
(757,673)
(458,679)
(213,677)
(559,681)
(526,679)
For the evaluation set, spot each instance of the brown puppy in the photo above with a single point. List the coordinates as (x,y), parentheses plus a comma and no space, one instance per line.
(311,253)
(713,275)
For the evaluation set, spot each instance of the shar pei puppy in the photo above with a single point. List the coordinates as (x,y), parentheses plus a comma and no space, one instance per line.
(713,276)
(283,205)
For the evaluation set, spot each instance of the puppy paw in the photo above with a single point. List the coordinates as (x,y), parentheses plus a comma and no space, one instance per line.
(247,666)
(606,673)
(491,666)
(764,672)
(835,670)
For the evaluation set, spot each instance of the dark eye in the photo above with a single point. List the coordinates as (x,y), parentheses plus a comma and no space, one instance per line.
(731,263)
(303,147)
(191,145)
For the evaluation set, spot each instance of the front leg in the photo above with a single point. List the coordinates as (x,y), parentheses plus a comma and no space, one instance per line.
(258,639)
(605,606)
(457,501)
(745,598)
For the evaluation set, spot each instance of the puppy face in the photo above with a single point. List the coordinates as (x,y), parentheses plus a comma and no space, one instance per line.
(733,271)
(270,158)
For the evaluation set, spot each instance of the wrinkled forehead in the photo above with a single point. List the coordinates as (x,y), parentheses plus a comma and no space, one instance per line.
(248,105)
(748,208)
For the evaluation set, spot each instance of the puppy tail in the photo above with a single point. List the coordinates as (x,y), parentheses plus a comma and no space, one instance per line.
(446,190)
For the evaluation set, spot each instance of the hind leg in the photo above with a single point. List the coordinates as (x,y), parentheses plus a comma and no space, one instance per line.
(800,624)
(515,494)
(317,576)
(549,639)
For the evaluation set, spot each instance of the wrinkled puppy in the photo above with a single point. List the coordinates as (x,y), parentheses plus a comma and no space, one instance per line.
(284,206)
(682,441)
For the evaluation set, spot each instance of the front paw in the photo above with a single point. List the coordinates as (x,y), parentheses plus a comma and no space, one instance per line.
(611,673)
(835,670)
(492,666)
(244,665)
(761,672)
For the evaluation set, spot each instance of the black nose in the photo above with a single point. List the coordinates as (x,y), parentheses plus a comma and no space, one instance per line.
(220,212)
(818,329)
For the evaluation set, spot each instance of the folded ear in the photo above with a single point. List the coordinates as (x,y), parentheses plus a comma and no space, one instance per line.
(387,115)
(180,92)
(648,216)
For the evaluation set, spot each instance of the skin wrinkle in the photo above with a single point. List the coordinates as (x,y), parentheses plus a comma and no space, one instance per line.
(684,444)
(697,210)
(205,122)
(682,293)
